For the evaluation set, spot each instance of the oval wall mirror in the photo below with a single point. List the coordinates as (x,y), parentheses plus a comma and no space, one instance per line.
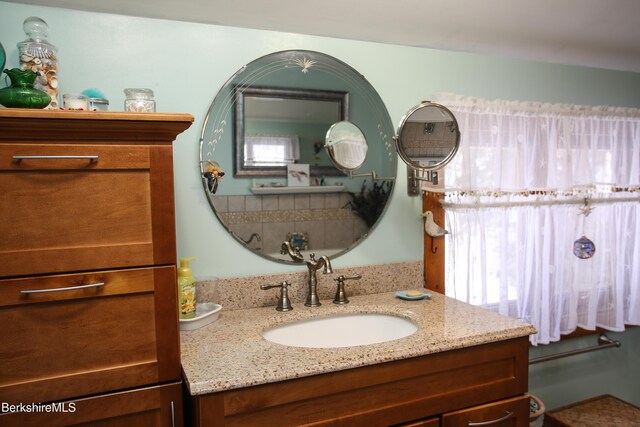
(428,137)
(264,168)
(346,145)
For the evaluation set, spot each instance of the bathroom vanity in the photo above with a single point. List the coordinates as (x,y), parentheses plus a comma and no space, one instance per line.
(464,364)
(87,268)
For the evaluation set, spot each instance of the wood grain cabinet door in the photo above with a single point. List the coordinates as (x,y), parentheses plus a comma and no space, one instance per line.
(431,422)
(150,406)
(75,207)
(504,413)
(73,335)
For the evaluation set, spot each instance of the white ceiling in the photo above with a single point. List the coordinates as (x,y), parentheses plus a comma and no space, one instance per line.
(597,33)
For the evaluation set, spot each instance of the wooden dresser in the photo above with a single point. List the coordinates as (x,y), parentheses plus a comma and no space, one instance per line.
(87,268)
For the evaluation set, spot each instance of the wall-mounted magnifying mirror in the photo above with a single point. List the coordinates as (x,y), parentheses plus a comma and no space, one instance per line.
(264,166)
(346,146)
(428,138)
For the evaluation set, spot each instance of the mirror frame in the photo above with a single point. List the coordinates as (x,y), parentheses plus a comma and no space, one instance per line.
(240,92)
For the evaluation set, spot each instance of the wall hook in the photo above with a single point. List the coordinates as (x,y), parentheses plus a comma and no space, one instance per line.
(433,250)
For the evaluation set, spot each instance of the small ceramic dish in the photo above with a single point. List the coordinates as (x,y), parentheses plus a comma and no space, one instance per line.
(403,295)
(206,313)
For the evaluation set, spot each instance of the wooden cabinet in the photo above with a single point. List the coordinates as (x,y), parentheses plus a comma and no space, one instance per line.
(147,406)
(477,384)
(87,265)
(504,413)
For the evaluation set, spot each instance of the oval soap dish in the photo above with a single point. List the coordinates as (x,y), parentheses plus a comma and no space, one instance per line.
(206,313)
(409,296)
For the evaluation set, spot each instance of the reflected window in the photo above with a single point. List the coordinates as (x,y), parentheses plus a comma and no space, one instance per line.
(269,150)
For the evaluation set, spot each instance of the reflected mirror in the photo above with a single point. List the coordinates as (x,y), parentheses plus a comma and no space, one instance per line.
(275,127)
(346,145)
(264,168)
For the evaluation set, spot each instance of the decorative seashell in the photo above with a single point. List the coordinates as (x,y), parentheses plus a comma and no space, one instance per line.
(53,82)
(37,61)
(26,58)
(24,66)
(34,68)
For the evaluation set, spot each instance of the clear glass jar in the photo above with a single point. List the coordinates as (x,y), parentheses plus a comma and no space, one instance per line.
(139,100)
(75,101)
(41,57)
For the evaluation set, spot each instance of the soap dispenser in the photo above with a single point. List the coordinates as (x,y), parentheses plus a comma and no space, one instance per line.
(186,290)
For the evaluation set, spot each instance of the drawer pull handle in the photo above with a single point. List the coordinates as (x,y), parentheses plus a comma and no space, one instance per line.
(72,288)
(92,158)
(488,423)
(173,415)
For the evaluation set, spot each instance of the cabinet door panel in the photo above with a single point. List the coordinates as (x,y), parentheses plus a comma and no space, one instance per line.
(432,422)
(79,334)
(504,413)
(150,406)
(66,211)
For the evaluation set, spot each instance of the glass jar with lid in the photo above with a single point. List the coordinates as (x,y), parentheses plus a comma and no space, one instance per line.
(139,100)
(41,57)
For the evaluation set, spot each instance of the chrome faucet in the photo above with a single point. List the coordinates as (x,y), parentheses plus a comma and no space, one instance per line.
(294,253)
(312,282)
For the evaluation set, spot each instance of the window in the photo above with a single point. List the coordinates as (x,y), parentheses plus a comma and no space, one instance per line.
(530,180)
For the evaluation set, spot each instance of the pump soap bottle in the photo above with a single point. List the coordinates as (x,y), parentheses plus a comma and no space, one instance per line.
(186,290)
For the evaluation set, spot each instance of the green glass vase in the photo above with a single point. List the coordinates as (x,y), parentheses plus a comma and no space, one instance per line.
(21,93)
(3,57)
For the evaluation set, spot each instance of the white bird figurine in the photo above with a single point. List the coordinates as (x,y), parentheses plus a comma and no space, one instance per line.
(432,229)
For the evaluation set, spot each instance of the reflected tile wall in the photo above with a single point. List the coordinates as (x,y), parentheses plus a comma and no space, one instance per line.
(326,218)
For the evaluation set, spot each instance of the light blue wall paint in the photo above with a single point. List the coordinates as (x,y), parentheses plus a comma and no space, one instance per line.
(614,371)
(185,64)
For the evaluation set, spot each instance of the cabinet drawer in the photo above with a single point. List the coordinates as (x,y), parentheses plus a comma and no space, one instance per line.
(149,406)
(84,207)
(509,412)
(80,334)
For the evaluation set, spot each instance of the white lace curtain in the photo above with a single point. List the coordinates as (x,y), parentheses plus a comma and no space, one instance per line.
(527,182)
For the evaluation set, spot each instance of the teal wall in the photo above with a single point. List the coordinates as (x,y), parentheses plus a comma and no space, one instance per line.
(186,64)
(614,371)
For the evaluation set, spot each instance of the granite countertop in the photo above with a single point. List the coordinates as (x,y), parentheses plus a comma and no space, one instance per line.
(231,352)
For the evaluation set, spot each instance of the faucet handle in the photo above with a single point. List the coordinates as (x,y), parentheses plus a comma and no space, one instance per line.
(284,304)
(341,296)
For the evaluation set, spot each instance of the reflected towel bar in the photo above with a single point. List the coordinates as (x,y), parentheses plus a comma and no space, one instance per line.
(603,342)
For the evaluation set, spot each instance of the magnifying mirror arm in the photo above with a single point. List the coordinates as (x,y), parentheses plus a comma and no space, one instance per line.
(413,180)
(374,176)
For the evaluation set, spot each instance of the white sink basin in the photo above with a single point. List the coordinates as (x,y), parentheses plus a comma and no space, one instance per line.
(346,330)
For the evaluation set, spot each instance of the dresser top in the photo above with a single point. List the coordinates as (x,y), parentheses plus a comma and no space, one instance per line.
(38,126)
